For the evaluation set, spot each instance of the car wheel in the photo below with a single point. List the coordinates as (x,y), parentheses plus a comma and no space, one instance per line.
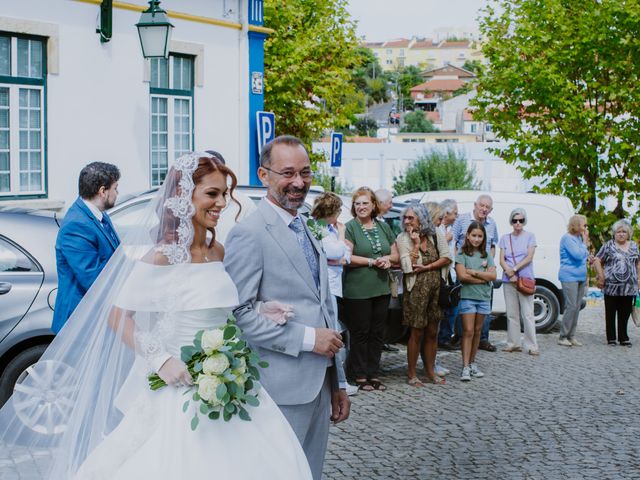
(16,370)
(546,309)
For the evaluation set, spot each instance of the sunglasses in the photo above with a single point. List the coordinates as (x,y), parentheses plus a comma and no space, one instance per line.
(517,220)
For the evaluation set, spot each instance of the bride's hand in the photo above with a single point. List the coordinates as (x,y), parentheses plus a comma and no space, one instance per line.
(174,372)
(276,311)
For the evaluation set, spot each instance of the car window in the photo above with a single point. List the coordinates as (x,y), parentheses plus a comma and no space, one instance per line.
(14,260)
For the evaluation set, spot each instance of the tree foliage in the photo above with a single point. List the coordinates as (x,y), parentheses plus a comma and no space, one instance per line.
(416,122)
(435,170)
(366,127)
(308,66)
(562,88)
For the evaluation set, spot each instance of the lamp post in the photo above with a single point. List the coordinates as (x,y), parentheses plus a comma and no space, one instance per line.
(154,30)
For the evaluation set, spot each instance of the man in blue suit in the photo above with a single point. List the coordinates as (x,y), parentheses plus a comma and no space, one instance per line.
(86,239)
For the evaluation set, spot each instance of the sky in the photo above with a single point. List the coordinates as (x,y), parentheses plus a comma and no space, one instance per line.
(380,20)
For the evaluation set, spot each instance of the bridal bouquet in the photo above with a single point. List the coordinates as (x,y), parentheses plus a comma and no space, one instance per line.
(224,370)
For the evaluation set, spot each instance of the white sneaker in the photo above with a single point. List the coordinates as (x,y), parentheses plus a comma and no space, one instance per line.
(575,342)
(351,390)
(475,371)
(466,374)
(564,342)
(440,370)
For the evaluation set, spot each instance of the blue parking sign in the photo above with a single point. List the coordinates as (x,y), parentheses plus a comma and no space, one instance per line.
(336,149)
(266,125)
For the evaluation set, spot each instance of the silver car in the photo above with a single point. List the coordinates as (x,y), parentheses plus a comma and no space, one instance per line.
(28,284)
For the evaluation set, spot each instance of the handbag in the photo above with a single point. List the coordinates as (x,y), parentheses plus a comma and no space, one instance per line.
(449,290)
(393,284)
(526,286)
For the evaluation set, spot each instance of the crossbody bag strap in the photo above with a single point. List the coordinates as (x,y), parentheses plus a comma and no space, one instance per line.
(513,256)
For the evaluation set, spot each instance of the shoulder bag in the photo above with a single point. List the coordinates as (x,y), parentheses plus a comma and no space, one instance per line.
(526,286)
(449,290)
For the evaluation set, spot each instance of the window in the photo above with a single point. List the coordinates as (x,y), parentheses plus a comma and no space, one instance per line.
(171,112)
(474,128)
(13,260)
(488,128)
(22,95)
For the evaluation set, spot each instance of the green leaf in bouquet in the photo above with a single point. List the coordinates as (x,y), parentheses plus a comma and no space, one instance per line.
(230,377)
(197,367)
(221,391)
(240,345)
(197,341)
(232,388)
(185,406)
(254,372)
(263,364)
(215,415)
(186,352)
(253,358)
(248,385)
(226,398)
(244,415)
(252,400)
(204,408)
(194,422)
(226,415)
(196,397)
(230,331)
(230,407)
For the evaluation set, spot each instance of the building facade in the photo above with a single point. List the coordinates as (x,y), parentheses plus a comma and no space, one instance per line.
(67,98)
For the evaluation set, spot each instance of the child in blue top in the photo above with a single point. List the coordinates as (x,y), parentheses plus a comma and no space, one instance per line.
(475,270)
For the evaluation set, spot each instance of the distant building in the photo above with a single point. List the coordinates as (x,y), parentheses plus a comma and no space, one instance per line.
(424,53)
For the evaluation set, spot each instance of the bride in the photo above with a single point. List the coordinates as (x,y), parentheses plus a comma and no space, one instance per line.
(85,411)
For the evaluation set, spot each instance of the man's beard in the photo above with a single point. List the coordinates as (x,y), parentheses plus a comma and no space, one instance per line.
(285,202)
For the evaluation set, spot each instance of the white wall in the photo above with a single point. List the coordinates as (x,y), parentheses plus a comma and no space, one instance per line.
(98,102)
(375,164)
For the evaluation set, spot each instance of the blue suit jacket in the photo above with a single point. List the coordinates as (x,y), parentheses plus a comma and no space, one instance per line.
(83,248)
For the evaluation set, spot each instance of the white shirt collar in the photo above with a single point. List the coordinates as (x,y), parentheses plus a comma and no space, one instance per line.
(286,217)
(95,210)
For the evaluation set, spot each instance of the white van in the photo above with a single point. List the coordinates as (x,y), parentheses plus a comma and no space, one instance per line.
(547,218)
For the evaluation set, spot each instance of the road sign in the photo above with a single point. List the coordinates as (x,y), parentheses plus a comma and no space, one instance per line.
(266,126)
(336,149)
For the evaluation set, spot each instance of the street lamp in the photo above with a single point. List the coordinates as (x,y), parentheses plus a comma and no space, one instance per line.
(154,30)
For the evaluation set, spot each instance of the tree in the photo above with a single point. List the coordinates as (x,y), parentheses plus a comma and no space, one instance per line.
(366,127)
(377,90)
(561,87)
(309,61)
(435,170)
(472,66)
(416,122)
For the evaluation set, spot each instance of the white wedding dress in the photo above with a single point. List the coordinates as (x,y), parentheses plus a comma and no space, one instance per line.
(154,439)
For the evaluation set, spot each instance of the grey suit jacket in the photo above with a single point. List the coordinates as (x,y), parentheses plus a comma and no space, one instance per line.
(265,261)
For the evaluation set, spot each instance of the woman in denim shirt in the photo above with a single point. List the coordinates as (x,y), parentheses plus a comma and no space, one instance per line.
(573,276)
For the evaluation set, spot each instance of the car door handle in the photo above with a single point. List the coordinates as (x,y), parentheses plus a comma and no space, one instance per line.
(5,287)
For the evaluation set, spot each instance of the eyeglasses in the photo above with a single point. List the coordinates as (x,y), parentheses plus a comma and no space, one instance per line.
(517,220)
(304,174)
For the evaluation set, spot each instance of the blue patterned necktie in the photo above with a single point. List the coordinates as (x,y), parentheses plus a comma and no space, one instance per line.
(307,248)
(109,230)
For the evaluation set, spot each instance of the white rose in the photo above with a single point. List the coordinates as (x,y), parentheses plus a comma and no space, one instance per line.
(215,364)
(212,340)
(207,386)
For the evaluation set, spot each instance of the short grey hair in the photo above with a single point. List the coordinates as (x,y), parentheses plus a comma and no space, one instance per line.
(625,225)
(289,140)
(383,195)
(448,205)
(423,215)
(484,196)
(518,211)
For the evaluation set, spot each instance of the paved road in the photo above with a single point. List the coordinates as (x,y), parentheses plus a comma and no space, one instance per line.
(571,413)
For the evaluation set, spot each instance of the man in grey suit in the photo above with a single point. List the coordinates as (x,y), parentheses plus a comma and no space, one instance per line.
(272,256)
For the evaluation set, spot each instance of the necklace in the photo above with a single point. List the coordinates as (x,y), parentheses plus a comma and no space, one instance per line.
(203,255)
(373,236)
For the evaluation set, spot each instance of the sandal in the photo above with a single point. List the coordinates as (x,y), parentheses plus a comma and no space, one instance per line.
(377,385)
(436,380)
(415,382)
(364,385)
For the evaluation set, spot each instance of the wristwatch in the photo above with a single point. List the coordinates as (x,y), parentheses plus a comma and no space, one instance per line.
(370,261)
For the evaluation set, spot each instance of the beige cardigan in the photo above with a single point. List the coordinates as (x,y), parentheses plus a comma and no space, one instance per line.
(405,245)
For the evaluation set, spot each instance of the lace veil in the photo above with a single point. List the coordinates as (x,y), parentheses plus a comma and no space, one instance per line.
(77,393)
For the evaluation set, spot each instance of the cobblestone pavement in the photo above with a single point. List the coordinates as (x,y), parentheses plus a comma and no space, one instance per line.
(571,413)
